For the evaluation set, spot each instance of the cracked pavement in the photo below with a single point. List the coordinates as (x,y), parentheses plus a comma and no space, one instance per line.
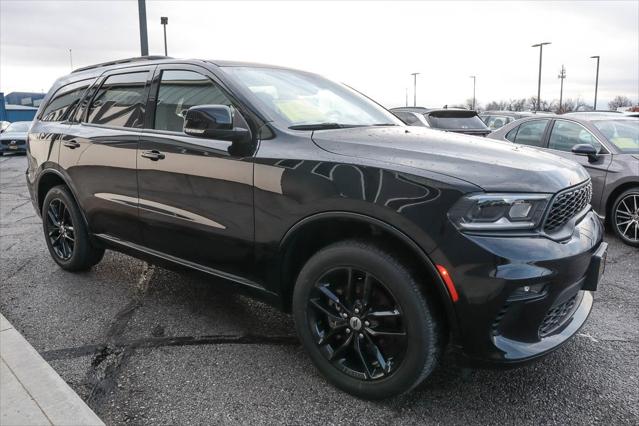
(144,345)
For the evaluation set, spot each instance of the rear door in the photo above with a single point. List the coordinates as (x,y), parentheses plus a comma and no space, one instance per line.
(196,194)
(564,135)
(98,152)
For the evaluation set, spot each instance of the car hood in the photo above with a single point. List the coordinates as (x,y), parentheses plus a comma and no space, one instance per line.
(489,164)
(13,135)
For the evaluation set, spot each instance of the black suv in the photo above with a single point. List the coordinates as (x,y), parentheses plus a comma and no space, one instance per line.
(386,242)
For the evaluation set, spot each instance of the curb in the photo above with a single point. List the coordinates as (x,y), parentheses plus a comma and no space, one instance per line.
(32,393)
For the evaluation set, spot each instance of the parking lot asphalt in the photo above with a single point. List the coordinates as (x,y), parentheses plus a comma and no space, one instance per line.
(144,345)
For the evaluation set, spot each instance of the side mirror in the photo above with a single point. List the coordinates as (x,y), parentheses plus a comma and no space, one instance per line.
(214,122)
(586,149)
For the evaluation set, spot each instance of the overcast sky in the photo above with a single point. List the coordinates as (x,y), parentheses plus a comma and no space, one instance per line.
(372,46)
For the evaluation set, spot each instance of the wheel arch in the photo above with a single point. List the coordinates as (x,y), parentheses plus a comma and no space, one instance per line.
(610,201)
(50,178)
(329,227)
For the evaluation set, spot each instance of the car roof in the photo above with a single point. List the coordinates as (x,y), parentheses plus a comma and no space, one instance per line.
(594,115)
(424,110)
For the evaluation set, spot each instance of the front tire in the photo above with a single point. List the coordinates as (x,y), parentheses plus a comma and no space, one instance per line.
(625,217)
(65,232)
(364,321)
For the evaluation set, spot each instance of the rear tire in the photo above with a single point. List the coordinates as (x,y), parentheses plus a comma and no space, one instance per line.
(364,321)
(624,217)
(66,233)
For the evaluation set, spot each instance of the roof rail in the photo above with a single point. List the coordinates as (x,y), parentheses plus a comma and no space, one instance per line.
(122,61)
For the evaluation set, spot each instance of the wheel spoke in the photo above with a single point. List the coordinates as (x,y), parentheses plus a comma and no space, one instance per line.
(350,286)
(623,202)
(623,215)
(383,333)
(626,230)
(384,365)
(332,296)
(331,333)
(52,217)
(383,314)
(332,316)
(341,349)
(367,290)
(362,358)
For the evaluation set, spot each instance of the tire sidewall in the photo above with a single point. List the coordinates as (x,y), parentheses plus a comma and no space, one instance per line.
(80,246)
(417,319)
(613,219)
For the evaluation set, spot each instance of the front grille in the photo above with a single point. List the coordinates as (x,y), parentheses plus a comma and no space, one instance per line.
(566,205)
(12,142)
(556,316)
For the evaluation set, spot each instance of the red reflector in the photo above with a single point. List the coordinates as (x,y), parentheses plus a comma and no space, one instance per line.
(449,282)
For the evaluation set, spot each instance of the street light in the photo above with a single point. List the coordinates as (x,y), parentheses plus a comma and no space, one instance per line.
(541,49)
(474,81)
(415,74)
(71,59)
(596,80)
(144,40)
(164,20)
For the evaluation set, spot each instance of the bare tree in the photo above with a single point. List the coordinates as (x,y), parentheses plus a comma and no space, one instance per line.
(619,101)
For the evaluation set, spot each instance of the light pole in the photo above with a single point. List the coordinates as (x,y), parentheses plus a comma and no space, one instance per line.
(144,39)
(474,81)
(71,59)
(562,76)
(164,20)
(415,74)
(596,80)
(541,49)
(407,96)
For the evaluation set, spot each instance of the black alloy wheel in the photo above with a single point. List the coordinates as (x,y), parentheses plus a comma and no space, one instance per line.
(66,233)
(59,229)
(357,323)
(364,320)
(625,217)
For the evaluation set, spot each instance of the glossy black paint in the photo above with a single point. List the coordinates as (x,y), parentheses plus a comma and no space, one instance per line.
(246,210)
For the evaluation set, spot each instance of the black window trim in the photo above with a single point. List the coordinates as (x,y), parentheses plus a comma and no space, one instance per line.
(70,113)
(103,77)
(254,121)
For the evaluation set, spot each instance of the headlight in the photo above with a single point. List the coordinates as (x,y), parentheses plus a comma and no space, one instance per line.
(488,212)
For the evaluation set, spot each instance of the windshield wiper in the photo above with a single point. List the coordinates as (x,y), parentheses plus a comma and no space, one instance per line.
(317,126)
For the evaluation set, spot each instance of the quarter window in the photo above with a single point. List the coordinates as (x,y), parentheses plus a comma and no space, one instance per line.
(64,101)
(531,133)
(179,91)
(566,134)
(120,101)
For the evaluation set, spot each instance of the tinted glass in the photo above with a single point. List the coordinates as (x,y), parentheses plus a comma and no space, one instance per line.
(120,101)
(64,101)
(300,98)
(511,135)
(624,134)
(451,122)
(408,118)
(531,133)
(494,122)
(179,91)
(566,134)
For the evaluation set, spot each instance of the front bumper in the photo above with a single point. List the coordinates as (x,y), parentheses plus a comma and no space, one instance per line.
(521,297)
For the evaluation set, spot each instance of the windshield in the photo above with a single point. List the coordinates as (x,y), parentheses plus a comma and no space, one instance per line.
(18,126)
(624,134)
(306,101)
(456,120)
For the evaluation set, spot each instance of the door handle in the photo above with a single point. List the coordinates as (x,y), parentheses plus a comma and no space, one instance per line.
(153,155)
(71,144)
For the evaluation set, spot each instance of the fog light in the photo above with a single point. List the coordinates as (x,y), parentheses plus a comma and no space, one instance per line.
(528,292)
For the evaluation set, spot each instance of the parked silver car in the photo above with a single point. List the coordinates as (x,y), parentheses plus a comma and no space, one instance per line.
(607,146)
(14,137)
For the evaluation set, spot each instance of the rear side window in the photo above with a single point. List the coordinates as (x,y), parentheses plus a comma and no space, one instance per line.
(179,91)
(408,118)
(530,133)
(120,101)
(456,120)
(64,101)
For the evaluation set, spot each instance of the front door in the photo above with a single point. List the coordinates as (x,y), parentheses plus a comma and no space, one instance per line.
(196,198)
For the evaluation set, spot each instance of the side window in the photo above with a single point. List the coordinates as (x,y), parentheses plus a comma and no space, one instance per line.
(64,101)
(408,118)
(531,133)
(179,91)
(566,134)
(512,134)
(120,101)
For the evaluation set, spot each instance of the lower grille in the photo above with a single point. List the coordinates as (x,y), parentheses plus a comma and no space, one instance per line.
(12,142)
(556,316)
